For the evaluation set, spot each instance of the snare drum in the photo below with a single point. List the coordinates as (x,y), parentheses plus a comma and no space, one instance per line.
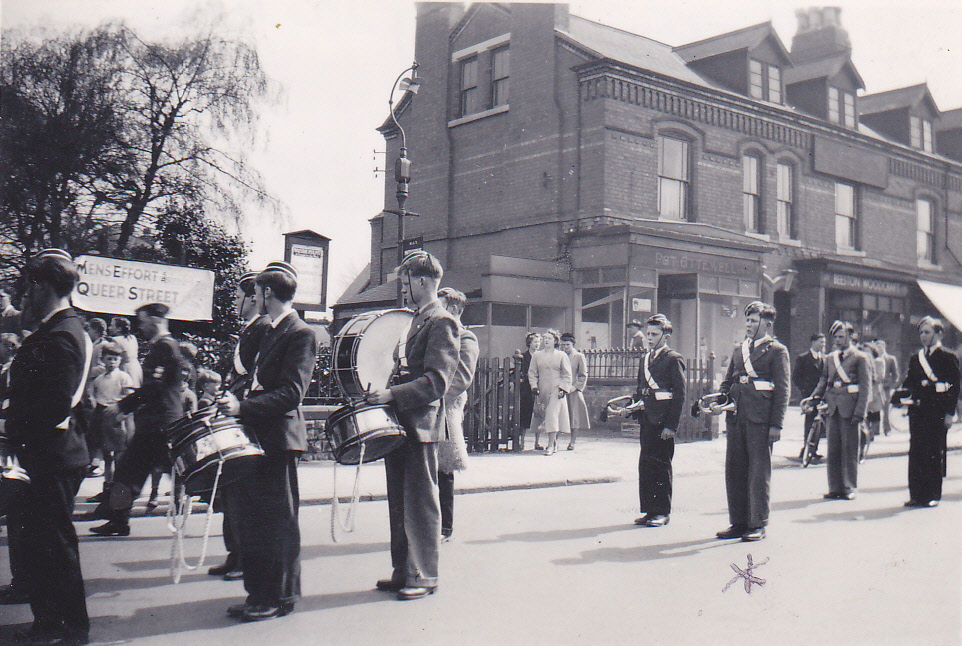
(364,350)
(374,426)
(200,440)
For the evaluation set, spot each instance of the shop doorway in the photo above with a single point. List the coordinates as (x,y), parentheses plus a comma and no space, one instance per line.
(678,300)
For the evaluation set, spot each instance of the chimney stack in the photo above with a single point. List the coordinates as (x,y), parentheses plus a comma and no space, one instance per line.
(820,34)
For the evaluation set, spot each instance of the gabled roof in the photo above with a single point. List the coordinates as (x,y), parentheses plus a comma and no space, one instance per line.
(903,97)
(950,120)
(745,38)
(823,68)
(383,293)
(307,233)
(604,41)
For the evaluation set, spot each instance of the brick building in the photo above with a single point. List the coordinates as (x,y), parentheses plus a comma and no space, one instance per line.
(574,175)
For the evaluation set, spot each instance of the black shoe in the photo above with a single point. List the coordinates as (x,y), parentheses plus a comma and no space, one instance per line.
(754,534)
(832,495)
(658,520)
(389,585)
(571,447)
(538,447)
(912,503)
(642,520)
(100,497)
(848,495)
(111,528)
(735,531)
(223,568)
(237,610)
(9,595)
(151,503)
(234,575)
(262,612)
(410,592)
(931,503)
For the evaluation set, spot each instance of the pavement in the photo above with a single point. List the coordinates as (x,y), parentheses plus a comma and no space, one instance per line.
(599,457)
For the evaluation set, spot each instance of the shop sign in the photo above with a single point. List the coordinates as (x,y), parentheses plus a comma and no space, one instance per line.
(681,262)
(866,285)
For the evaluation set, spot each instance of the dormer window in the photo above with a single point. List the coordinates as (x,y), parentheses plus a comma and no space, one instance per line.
(920,133)
(764,81)
(841,107)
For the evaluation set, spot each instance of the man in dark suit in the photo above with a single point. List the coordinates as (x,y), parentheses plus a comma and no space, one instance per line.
(805,375)
(845,386)
(155,405)
(47,379)
(661,384)
(248,343)
(757,381)
(426,363)
(264,507)
(933,381)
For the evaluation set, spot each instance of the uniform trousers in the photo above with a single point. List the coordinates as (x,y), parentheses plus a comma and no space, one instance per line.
(414,509)
(926,455)
(748,472)
(53,580)
(842,462)
(654,470)
(147,449)
(446,493)
(13,492)
(263,509)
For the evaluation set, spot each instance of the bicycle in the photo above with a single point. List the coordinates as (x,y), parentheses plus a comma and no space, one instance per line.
(818,426)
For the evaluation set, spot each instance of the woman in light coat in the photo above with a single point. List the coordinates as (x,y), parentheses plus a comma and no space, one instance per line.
(577,408)
(550,379)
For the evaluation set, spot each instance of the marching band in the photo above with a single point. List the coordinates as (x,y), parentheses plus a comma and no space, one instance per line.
(272,367)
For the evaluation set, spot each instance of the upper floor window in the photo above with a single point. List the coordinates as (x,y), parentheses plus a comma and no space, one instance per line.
(784,201)
(849,107)
(751,193)
(764,81)
(833,105)
(673,178)
(846,216)
(925,236)
(920,133)
(500,72)
(470,97)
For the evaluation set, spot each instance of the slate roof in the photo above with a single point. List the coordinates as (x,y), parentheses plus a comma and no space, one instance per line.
(745,38)
(950,120)
(902,97)
(822,68)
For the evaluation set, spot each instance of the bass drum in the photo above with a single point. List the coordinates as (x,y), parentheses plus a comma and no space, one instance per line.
(200,440)
(364,350)
(373,426)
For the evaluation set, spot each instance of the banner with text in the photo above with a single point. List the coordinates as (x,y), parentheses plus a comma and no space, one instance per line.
(117,286)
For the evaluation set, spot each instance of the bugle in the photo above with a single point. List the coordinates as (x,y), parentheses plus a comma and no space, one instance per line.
(810,404)
(903,397)
(705,402)
(613,406)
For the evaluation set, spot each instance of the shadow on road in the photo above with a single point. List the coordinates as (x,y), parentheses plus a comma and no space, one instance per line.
(644,552)
(853,514)
(553,535)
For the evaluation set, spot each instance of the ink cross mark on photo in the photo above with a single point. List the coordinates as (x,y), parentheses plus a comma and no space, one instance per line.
(747,575)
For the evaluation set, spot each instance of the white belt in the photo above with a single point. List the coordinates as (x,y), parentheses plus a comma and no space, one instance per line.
(941,387)
(663,395)
(761,384)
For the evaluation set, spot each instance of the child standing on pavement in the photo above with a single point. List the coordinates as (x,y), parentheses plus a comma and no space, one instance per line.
(108,388)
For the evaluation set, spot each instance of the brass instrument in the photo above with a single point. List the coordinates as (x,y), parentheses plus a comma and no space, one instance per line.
(705,402)
(903,397)
(809,404)
(613,407)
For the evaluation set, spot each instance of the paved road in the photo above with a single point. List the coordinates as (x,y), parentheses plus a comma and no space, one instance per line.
(565,565)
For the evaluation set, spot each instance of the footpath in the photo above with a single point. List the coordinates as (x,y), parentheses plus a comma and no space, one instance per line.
(598,457)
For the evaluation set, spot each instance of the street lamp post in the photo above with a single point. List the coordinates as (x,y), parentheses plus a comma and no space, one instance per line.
(402,167)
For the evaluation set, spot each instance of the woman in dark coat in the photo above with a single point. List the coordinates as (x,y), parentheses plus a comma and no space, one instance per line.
(533,343)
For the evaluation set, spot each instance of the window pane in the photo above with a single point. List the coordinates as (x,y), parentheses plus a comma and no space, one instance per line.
(514,315)
(755,78)
(671,199)
(842,237)
(469,73)
(844,200)
(833,104)
(749,174)
(774,84)
(553,317)
(499,62)
(849,110)
(783,212)
(923,209)
(784,182)
(927,135)
(915,132)
(475,314)
(674,158)
(750,212)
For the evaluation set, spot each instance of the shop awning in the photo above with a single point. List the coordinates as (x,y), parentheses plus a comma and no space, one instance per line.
(947,298)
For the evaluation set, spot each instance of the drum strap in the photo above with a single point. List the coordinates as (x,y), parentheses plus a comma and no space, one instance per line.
(402,345)
(78,394)
(346,525)
(177,524)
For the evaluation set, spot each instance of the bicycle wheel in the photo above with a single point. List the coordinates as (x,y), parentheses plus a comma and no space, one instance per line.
(808,451)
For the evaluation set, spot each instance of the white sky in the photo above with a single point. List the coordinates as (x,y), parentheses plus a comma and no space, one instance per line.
(336,60)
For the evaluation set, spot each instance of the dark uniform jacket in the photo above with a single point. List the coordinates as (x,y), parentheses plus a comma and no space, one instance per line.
(945,366)
(431,351)
(159,401)
(760,400)
(662,406)
(837,394)
(806,372)
(45,377)
(282,374)
(248,343)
